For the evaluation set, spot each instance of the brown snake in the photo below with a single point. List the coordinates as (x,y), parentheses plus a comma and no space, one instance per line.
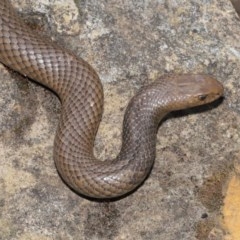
(81,94)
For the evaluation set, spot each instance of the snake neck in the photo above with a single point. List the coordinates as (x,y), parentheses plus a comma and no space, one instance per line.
(140,127)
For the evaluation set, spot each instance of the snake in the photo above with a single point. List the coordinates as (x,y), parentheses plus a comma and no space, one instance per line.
(81,94)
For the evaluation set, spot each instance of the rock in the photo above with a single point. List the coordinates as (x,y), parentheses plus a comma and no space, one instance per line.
(129,43)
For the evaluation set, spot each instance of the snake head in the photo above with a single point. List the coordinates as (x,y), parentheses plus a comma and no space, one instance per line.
(190,90)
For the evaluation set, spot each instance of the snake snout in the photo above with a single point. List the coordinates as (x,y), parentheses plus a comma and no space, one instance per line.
(209,88)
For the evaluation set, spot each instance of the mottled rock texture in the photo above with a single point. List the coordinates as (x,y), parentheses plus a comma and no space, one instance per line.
(130,43)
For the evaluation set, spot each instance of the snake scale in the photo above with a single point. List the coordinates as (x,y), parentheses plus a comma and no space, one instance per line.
(81,93)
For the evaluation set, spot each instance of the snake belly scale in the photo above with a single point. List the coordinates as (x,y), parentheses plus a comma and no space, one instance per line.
(81,93)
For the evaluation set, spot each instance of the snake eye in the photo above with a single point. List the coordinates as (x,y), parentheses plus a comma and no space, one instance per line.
(202,97)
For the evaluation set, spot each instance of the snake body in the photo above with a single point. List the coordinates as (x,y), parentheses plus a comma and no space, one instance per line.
(80,90)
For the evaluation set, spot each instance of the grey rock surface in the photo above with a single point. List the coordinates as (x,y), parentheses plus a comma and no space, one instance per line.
(129,43)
